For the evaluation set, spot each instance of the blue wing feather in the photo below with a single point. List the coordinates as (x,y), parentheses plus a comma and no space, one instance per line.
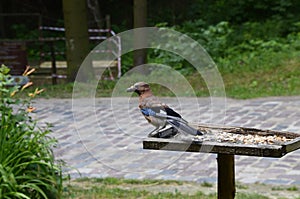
(148,112)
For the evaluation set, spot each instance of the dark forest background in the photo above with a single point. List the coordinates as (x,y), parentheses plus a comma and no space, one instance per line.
(172,13)
(246,38)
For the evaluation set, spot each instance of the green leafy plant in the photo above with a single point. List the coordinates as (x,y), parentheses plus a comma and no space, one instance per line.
(27,165)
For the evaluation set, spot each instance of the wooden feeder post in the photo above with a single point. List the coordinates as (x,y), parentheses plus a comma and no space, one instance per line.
(226,176)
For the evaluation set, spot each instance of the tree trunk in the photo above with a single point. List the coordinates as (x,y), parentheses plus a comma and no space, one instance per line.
(140,20)
(77,39)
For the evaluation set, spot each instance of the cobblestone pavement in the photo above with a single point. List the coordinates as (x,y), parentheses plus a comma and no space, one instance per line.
(103,138)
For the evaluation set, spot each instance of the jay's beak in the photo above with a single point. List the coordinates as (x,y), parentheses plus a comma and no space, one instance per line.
(131,89)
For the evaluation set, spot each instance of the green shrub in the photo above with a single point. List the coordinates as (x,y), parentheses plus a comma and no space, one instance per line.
(27,165)
(228,44)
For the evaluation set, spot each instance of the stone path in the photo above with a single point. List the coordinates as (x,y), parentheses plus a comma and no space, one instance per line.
(103,138)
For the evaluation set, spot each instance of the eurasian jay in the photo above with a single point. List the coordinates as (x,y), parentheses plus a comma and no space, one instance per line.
(159,114)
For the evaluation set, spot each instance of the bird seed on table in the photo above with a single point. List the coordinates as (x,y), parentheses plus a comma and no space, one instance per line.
(251,139)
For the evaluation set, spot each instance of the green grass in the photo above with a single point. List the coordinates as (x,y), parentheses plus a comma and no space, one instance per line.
(107,193)
(206,184)
(241,186)
(278,188)
(293,188)
(125,188)
(249,196)
(115,188)
(267,74)
(116,181)
(283,80)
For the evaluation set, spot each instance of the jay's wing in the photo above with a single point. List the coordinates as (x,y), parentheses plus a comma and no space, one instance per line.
(171,112)
(160,111)
(153,103)
(172,118)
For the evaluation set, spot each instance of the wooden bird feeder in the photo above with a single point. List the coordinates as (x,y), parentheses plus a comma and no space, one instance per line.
(227,142)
